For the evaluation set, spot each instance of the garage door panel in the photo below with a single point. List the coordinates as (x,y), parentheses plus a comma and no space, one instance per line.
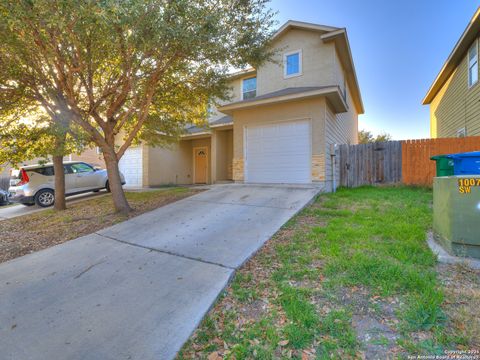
(131,167)
(278,153)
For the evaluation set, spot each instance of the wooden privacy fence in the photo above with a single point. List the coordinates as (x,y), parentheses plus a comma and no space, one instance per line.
(418,169)
(373,163)
(405,161)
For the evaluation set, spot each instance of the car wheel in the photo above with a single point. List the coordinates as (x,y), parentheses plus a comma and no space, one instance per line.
(28,204)
(107,186)
(45,198)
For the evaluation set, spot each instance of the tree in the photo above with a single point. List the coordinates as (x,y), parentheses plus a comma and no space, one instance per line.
(26,136)
(130,70)
(383,137)
(365,137)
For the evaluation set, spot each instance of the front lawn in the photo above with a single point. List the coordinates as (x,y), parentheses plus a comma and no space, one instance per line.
(33,232)
(349,277)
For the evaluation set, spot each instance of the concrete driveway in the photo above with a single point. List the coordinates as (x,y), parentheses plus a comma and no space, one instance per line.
(12,211)
(138,289)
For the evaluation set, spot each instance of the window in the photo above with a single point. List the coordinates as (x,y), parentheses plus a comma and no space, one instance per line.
(81,168)
(249,88)
(473,65)
(461,132)
(45,171)
(292,64)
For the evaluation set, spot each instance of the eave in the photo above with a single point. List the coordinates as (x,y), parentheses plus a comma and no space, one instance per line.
(332,93)
(340,39)
(455,57)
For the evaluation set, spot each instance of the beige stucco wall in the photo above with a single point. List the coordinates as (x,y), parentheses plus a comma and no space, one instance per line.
(318,61)
(456,106)
(171,165)
(174,164)
(224,155)
(320,67)
(89,156)
(311,109)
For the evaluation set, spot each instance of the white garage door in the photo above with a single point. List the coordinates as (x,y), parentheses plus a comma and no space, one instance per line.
(278,153)
(131,167)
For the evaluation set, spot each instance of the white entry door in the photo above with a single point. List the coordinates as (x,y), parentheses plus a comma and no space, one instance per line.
(131,167)
(278,153)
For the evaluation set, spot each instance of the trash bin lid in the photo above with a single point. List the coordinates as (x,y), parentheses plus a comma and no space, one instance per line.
(438,157)
(465,155)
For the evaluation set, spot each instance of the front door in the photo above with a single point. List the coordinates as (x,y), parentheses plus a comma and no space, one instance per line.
(201,165)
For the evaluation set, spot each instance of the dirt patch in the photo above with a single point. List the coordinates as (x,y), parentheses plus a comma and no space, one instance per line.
(462,301)
(254,310)
(373,319)
(378,339)
(34,232)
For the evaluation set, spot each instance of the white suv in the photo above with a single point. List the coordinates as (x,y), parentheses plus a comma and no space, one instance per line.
(35,184)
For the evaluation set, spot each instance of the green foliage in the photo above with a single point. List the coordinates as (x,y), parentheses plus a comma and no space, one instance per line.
(143,68)
(125,71)
(365,137)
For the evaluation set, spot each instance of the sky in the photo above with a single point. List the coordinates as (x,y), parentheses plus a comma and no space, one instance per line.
(398,48)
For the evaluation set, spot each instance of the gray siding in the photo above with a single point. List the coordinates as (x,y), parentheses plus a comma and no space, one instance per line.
(339,129)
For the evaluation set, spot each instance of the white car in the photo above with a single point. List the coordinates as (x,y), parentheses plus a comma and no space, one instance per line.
(35,184)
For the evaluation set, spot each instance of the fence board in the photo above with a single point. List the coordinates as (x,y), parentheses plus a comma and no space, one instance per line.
(405,161)
(417,167)
(370,163)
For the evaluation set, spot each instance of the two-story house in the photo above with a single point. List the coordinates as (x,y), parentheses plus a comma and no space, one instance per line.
(280,124)
(454,96)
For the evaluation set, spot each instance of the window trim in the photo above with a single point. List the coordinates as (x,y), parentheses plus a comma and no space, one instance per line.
(300,63)
(248,78)
(475,44)
(462,132)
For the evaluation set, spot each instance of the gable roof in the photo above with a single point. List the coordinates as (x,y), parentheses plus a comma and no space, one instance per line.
(293,24)
(328,34)
(339,37)
(455,57)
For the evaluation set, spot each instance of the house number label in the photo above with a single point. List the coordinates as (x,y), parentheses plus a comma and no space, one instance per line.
(465,185)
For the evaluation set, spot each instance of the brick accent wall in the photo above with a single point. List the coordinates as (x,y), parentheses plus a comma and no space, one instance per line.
(318,167)
(238,170)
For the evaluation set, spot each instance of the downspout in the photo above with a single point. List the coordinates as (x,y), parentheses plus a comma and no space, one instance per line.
(333,148)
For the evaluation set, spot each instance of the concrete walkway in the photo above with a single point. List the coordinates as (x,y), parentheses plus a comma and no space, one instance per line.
(138,289)
(13,211)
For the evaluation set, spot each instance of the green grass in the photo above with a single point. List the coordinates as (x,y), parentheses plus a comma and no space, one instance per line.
(372,238)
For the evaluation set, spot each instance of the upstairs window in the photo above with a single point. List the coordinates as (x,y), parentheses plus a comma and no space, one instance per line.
(249,88)
(292,64)
(473,64)
(461,132)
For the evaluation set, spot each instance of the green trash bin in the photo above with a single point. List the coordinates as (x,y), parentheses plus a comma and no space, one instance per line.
(445,166)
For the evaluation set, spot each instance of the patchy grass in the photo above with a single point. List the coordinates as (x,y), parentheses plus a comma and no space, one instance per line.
(33,232)
(349,277)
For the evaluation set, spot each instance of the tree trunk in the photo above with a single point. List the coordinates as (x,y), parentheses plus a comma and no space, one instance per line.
(115,182)
(59,183)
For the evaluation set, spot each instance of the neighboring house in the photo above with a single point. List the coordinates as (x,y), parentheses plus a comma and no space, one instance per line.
(92,156)
(279,126)
(454,96)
